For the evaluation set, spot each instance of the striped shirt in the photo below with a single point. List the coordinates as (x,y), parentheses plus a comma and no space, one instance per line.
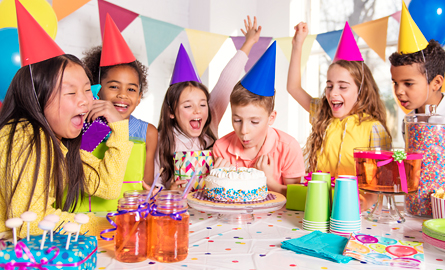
(137,128)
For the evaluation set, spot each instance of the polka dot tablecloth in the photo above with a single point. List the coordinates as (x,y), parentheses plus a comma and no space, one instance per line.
(218,245)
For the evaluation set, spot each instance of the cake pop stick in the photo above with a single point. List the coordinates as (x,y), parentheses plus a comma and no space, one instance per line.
(45,225)
(81,219)
(28,217)
(13,223)
(54,219)
(70,227)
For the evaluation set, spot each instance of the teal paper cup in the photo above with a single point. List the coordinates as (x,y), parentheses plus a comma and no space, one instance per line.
(346,203)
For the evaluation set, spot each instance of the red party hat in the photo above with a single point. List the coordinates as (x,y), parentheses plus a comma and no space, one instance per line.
(35,44)
(114,49)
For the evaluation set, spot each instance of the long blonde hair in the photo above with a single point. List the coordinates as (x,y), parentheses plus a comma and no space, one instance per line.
(368,102)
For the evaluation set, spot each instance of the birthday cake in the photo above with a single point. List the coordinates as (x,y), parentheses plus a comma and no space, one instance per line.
(27,254)
(236,185)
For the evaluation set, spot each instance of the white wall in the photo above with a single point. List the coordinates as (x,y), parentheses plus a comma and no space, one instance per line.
(80,31)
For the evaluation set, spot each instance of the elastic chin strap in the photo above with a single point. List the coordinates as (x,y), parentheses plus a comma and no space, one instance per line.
(37,99)
(427,83)
(363,80)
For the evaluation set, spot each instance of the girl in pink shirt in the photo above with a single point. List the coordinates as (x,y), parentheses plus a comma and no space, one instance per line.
(190,115)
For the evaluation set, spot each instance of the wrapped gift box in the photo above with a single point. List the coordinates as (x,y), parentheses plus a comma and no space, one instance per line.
(187,163)
(27,254)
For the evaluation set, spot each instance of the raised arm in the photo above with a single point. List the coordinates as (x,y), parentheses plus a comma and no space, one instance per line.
(220,95)
(294,75)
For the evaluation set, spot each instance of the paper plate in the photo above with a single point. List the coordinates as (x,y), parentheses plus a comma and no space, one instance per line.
(435,225)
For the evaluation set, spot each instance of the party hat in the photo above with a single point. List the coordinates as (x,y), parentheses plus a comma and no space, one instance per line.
(35,44)
(184,70)
(114,49)
(260,79)
(347,47)
(411,39)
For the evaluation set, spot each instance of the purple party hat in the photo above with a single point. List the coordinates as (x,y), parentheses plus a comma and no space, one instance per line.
(184,70)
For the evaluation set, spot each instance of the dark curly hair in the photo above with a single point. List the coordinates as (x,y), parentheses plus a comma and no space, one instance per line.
(434,60)
(92,61)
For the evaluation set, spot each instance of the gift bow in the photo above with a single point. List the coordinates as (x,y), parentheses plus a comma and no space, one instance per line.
(397,156)
(21,247)
(309,178)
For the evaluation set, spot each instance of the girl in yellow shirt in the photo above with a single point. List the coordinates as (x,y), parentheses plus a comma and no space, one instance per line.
(40,133)
(349,114)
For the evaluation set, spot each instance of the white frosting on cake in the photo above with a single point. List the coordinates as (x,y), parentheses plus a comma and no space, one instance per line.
(229,184)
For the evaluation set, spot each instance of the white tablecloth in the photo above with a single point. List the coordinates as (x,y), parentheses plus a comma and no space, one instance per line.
(218,245)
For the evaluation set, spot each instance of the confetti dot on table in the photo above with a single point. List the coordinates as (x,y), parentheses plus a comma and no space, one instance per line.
(184,265)
(209,228)
(258,232)
(219,225)
(388,234)
(220,234)
(279,220)
(288,237)
(324,267)
(201,219)
(196,245)
(395,228)
(270,225)
(278,216)
(210,217)
(237,242)
(242,243)
(202,212)
(292,265)
(209,214)
(368,228)
(228,249)
(258,217)
(208,253)
(192,231)
(194,259)
(211,241)
(151,263)
(102,268)
(235,237)
(262,255)
(374,225)
(271,245)
(363,262)
(240,238)
(439,260)
(207,237)
(235,261)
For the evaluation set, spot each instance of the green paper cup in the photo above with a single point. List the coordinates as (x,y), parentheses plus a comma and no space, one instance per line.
(317,202)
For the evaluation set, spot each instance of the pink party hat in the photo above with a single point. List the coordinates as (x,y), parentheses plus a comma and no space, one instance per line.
(347,47)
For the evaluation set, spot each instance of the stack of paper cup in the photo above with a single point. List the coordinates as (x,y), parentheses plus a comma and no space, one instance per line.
(345,217)
(316,213)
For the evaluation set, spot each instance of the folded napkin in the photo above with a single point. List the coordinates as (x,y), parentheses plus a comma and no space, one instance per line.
(321,245)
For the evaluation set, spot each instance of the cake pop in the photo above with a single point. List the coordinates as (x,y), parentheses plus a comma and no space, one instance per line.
(54,219)
(28,217)
(13,223)
(70,228)
(46,226)
(81,219)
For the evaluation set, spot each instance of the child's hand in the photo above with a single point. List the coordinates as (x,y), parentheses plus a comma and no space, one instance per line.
(265,163)
(175,185)
(220,162)
(106,109)
(301,31)
(252,34)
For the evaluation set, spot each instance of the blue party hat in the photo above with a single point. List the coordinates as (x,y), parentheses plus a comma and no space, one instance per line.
(260,79)
(184,70)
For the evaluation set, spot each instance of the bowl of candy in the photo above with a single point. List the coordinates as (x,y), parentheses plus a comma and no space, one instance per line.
(387,172)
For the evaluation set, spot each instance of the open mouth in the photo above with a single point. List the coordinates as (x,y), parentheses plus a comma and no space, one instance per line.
(120,106)
(77,120)
(196,123)
(336,105)
(403,103)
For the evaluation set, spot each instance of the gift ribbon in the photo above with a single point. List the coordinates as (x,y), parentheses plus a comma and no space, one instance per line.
(398,157)
(309,178)
(176,216)
(144,208)
(21,247)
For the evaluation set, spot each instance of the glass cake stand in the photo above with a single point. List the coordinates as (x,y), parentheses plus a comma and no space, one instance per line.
(237,213)
(385,210)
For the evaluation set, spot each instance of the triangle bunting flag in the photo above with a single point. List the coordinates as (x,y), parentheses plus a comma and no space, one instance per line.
(121,16)
(374,34)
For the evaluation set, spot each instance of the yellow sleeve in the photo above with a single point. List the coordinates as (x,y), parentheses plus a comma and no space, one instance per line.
(104,177)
